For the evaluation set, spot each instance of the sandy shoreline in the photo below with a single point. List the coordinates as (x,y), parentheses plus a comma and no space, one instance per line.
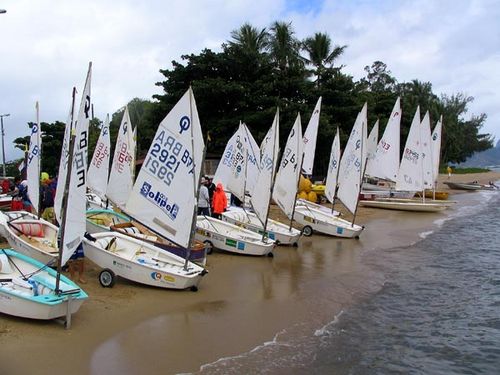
(242,303)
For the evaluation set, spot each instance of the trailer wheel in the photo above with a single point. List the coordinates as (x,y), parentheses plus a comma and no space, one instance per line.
(307,231)
(107,278)
(209,245)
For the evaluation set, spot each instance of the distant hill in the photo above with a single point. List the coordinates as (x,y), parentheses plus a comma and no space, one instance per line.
(486,158)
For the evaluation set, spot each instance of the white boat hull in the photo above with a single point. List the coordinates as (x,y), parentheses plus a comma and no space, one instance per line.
(326,223)
(405,205)
(231,238)
(42,248)
(142,262)
(279,232)
(19,298)
(304,202)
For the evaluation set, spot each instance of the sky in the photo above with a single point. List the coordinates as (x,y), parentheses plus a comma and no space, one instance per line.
(46,46)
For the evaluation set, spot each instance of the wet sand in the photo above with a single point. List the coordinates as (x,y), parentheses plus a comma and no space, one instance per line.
(242,303)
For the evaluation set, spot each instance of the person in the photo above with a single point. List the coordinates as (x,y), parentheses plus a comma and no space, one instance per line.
(47,195)
(6,185)
(211,188)
(23,194)
(16,203)
(219,202)
(76,264)
(449,170)
(203,199)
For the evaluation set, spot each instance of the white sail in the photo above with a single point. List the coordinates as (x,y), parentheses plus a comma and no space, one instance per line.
(310,137)
(238,165)
(425,141)
(410,171)
(63,166)
(165,193)
(269,159)
(352,163)
(253,158)
(436,148)
(223,170)
(385,164)
(333,167)
(74,221)
(287,178)
(33,169)
(99,165)
(133,147)
(371,144)
(121,175)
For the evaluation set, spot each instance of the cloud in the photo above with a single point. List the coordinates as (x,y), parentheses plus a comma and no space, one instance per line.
(453,44)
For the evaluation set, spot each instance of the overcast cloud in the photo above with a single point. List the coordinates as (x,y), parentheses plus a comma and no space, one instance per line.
(47,44)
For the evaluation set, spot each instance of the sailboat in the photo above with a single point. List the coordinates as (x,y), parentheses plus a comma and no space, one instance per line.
(435,142)
(279,232)
(99,170)
(30,288)
(118,189)
(287,177)
(413,174)
(225,235)
(350,174)
(164,199)
(383,165)
(27,232)
(119,184)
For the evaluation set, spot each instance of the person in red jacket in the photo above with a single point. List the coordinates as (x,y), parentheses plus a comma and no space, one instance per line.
(219,201)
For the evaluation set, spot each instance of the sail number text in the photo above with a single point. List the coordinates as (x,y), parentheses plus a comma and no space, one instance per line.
(165,157)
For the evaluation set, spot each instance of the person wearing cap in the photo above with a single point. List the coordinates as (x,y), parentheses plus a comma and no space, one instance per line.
(203,199)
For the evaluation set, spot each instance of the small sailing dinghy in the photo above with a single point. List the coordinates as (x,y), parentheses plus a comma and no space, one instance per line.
(348,176)
(231,238)
(28,289)
(236,183)
(26,232)
(32,237)
(139,261)
(163,199)
(234,238)
(416,172)
(276,231)
(140,232)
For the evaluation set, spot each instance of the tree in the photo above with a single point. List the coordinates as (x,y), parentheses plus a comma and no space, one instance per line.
(321,53)
(248,40)
(283,47)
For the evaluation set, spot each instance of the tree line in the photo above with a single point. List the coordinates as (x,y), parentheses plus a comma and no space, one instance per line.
(258,70)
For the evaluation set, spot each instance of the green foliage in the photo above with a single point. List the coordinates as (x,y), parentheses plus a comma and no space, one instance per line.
(468,170)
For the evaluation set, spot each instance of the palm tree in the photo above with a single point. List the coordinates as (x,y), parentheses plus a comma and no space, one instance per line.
(321,53)
(283,46)
(248,40)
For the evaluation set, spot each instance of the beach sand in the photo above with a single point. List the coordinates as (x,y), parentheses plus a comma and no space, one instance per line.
(242,303)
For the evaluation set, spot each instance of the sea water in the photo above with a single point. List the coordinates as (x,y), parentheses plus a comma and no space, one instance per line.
(437,312)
